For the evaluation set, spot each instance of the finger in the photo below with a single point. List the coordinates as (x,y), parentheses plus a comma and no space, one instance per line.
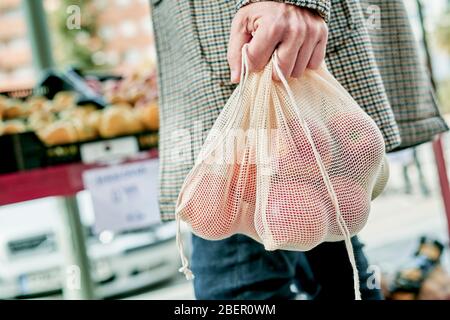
(265,39)
(288,50)
(304,57)
(238,37)
(318,55)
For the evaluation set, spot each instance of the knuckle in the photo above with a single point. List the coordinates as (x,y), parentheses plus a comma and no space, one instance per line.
(284,65)
(276,29)
(238,20)
(313,30)
(285,12)
(241,24)
(241,13)
(281,24)
(295,29)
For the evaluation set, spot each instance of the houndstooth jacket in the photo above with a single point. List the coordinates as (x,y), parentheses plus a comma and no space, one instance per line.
(380,69)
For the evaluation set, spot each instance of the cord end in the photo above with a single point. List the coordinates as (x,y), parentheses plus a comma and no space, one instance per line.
(187,272)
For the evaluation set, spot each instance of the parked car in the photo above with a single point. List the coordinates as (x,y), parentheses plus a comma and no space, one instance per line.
(31,262)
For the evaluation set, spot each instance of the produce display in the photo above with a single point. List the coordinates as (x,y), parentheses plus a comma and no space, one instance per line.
(132,108)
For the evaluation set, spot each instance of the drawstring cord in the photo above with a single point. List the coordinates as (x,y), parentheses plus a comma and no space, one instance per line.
(340,220)
(179,239)
(184,260)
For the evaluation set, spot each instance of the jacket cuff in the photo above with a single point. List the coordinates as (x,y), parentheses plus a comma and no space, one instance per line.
(322,7)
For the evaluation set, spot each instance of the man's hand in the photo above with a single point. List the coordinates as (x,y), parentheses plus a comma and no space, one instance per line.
(298,34)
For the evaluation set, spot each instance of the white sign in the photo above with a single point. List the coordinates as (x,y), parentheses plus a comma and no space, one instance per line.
(108,150)
(124,197)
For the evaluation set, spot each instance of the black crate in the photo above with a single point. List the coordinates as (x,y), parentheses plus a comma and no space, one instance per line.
(20,152)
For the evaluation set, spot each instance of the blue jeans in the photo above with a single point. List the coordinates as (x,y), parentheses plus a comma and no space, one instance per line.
(240,268)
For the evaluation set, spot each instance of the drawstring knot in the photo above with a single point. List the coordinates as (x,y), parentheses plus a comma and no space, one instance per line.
(187,272)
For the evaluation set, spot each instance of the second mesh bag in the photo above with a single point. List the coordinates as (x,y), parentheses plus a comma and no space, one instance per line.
(291,164)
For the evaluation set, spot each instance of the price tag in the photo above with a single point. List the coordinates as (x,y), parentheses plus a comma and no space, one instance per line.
(109,149)
(124,197)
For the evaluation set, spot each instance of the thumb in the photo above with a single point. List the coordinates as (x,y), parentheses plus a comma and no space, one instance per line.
(238,37)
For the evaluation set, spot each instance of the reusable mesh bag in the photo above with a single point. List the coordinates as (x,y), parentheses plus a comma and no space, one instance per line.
(290,164)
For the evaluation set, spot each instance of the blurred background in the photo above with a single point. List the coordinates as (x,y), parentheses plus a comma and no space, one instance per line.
(108,54)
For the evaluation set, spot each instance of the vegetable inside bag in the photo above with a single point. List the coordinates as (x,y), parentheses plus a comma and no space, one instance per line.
(290,164)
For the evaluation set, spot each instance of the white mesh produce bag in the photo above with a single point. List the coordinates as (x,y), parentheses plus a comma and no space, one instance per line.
(290,164)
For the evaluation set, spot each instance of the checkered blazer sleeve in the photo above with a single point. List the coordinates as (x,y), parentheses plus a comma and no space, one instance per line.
(322,7)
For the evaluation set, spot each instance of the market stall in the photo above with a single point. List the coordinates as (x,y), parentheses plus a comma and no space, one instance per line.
(68,124)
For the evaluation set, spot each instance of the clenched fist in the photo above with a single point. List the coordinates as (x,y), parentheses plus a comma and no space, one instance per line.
(298,34)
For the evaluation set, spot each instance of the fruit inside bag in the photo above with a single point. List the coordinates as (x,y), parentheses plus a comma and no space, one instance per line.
(290,164)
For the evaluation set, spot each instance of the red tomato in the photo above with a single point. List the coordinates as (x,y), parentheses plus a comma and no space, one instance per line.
(247,222)
(295,217)
(250,187)
(244,192)
(295,155)
(211,211)
(362,145)
(354,204)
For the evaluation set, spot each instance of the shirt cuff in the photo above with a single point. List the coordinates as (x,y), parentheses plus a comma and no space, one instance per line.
(322,7)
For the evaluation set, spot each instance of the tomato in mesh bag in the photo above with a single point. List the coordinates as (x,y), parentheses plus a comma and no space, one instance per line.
(356,137)
(306,172)
(294,144)
(218,219)
(354,205)
(295,214)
